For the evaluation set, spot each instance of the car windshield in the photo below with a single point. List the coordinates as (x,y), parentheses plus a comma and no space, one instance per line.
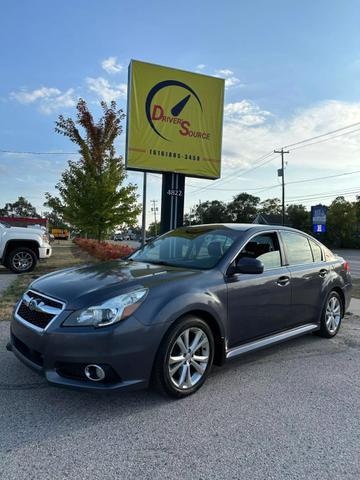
(5,224)
(190,247)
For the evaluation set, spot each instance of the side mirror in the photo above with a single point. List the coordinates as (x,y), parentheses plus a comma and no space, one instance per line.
(247,265)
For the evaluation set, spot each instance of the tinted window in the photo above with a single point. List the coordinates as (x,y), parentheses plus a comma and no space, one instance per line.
(297,248)
(316,250)
(264,247)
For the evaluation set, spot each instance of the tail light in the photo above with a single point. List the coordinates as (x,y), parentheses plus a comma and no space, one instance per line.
(346,267)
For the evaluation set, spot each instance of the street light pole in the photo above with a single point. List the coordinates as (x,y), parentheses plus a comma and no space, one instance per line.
(282,152)
(155,209)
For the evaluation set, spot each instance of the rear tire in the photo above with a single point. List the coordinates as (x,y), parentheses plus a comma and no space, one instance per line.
(185,358)
(331,316)
(21,260)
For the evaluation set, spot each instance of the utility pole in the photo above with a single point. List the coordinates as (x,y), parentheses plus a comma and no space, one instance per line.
(281,173)
(155,209)
(143,226)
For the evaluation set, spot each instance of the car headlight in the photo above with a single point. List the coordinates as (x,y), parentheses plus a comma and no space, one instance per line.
(109,312)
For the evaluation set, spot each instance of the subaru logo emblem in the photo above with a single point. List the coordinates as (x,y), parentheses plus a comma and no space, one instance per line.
(33,305)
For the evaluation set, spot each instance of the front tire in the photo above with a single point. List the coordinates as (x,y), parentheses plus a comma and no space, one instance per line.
(21,260)
(332,315)
(184,358)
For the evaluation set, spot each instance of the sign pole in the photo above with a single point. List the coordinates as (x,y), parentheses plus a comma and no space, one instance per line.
(143,227)
(172,201)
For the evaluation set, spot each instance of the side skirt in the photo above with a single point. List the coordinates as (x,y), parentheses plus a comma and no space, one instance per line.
(272,339)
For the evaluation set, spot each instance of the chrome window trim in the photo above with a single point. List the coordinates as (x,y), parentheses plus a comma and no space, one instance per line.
(32,326)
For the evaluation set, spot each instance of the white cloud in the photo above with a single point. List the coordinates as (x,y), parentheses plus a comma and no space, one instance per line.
(25,96)
(49,99)
(246,113)
(244,141)
(230,79)
(106,91)
(201,66)
(111,66)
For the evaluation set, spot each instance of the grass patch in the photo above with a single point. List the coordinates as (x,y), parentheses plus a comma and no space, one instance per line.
(65,255)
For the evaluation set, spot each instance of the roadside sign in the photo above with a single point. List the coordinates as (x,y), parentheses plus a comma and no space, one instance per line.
(174,121)
(319,228)
(318,214)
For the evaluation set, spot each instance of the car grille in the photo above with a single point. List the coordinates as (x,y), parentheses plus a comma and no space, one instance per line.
(38,310)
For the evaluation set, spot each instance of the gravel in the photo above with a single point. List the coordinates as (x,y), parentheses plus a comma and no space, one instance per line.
(288,412)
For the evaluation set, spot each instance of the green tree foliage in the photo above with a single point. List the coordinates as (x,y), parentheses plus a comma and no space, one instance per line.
(92,197)
(341,225)
(21,208)
(154,229)
(213,211)
(270,206)
(298,217)
(243,208)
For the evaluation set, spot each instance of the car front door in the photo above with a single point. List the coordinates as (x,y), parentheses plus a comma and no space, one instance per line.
(259,304)
(308,275)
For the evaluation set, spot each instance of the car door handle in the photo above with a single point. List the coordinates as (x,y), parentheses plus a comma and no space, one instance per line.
(283,281)
(323,272)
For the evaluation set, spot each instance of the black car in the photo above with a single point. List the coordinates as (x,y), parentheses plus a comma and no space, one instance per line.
(193,297)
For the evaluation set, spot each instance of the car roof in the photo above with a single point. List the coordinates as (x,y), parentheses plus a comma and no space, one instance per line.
(240,227)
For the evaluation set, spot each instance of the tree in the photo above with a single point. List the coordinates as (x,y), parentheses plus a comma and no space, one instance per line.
(243,208)
(270,206)
(153,230)
(55,220)
(21,208)
(92,196)
(298,217)
(341,224)
(213,211)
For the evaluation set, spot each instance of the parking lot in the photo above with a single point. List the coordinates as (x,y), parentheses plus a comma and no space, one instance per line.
(288,412)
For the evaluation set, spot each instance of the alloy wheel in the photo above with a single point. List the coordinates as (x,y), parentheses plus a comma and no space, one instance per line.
(333,314)
(22,261)
(189,358)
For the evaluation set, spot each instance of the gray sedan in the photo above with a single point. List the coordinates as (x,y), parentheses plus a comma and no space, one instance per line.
(193,297)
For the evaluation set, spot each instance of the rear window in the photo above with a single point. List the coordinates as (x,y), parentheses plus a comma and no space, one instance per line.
(297,248)
(316,250)
(329,255)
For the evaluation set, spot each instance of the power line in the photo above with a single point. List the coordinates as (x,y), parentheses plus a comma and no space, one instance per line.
(291,149)
(305,180)
(226,179)
(39,153)
(324,195)
(322,135)
(325,139)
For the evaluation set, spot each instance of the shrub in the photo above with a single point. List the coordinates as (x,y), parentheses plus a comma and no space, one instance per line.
(103,250)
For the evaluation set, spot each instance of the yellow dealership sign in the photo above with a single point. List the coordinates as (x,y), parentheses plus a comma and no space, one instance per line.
(174,121)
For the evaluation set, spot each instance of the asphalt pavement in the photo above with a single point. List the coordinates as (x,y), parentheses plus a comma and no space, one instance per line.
(288,412)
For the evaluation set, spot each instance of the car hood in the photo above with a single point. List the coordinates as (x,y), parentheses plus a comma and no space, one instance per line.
(87,285)
(25,231)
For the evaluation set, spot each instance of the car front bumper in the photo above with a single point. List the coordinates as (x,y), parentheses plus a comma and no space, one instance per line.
(126,351)
(45,252)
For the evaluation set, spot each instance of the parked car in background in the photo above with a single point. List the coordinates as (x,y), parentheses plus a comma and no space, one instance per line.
(118,237)
(21,247)
(193,297)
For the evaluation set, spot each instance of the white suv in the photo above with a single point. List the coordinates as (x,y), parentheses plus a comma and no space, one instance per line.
(21,248)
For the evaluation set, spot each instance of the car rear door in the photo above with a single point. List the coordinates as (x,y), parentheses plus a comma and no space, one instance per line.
(308,276)
(259,304)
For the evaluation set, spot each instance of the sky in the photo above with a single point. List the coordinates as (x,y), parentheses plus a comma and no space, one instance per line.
(291,72)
